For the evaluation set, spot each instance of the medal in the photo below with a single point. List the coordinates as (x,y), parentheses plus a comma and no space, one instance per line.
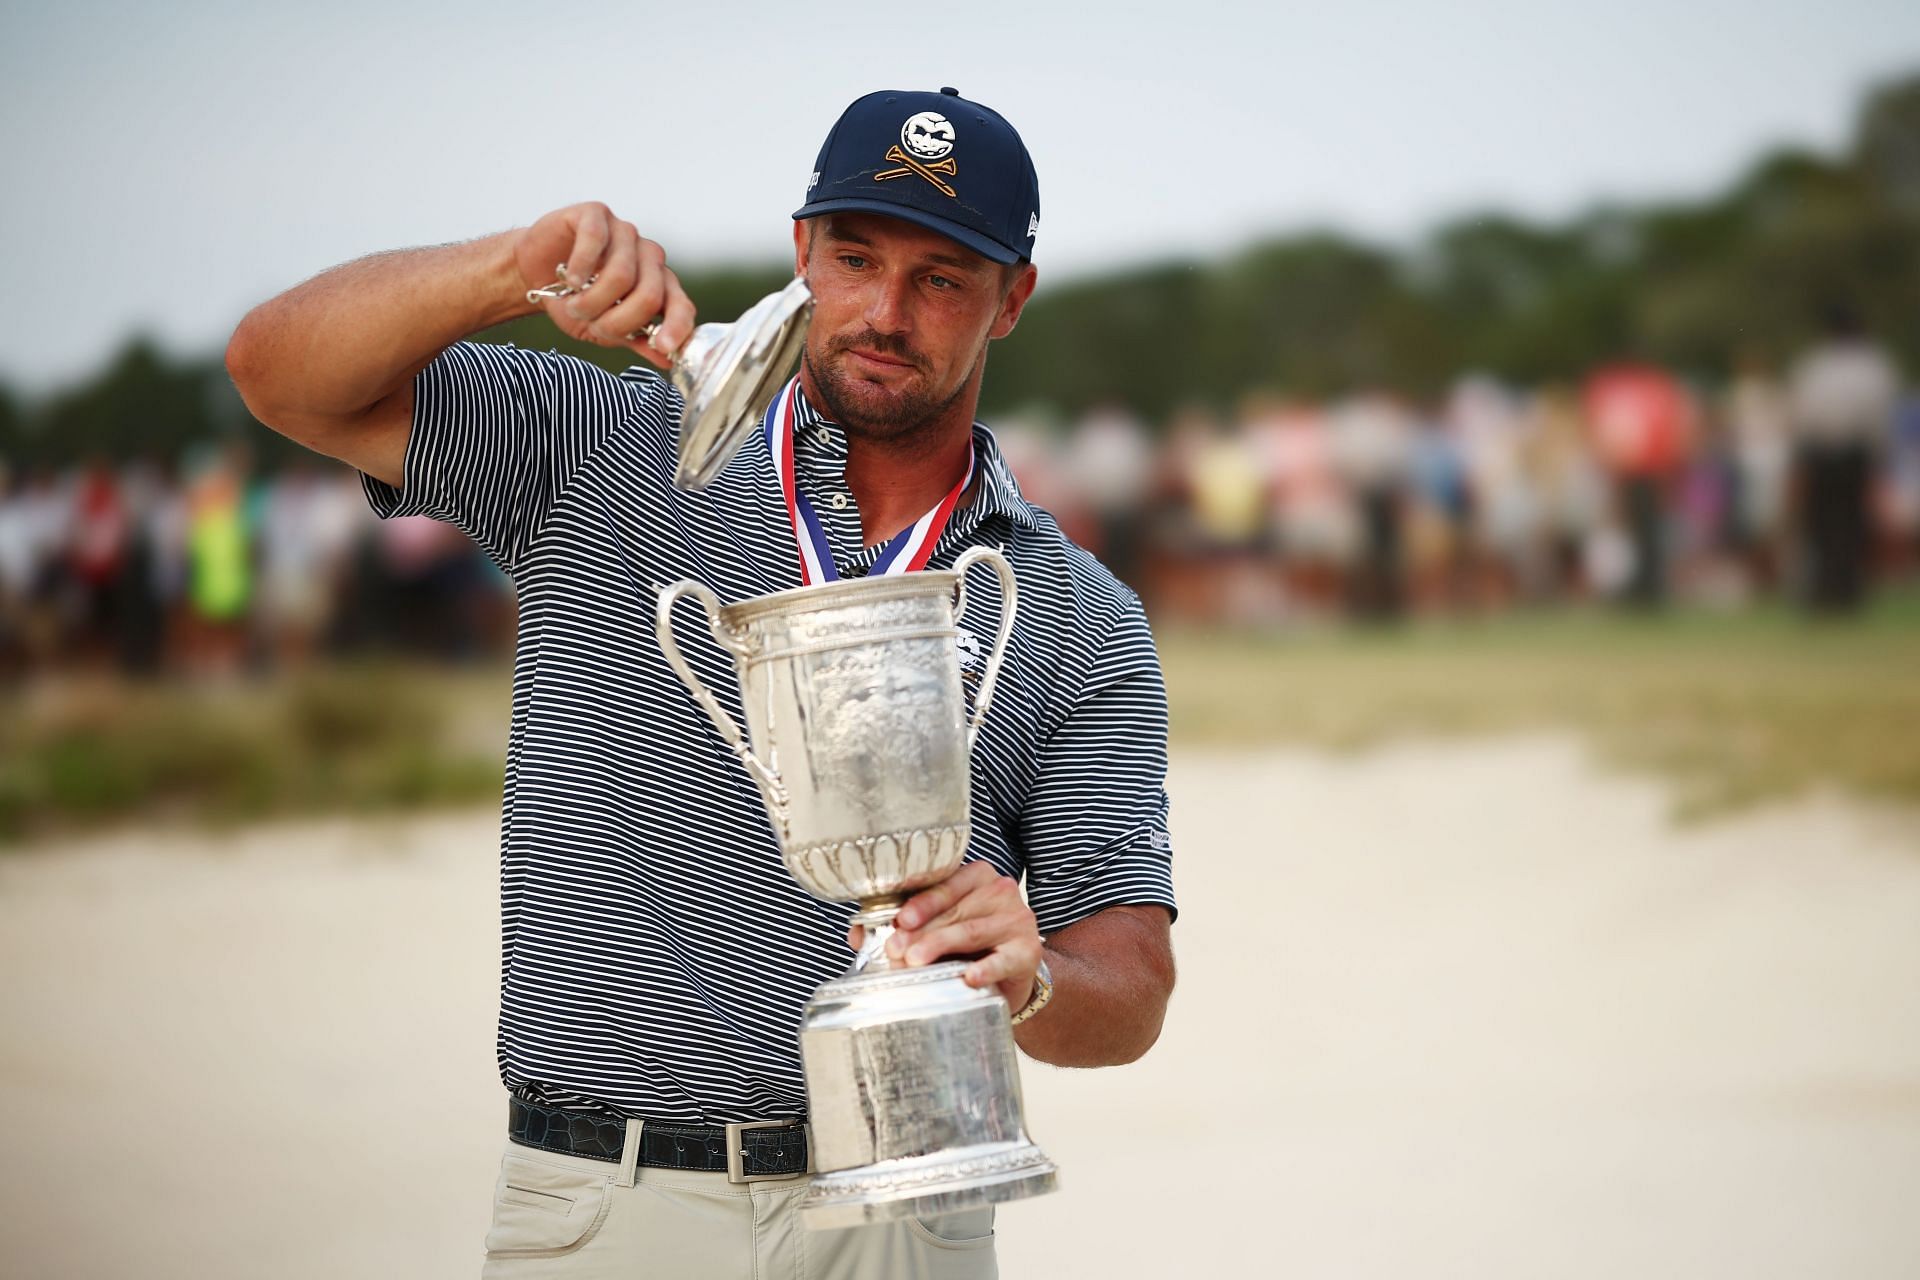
(903,553)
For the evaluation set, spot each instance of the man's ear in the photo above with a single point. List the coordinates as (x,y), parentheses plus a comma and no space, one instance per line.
(1015,302)
(801,240)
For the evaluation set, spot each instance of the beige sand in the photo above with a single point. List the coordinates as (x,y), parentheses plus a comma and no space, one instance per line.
(1445,1011)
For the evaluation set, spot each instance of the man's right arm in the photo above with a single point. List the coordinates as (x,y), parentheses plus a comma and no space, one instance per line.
(331,362)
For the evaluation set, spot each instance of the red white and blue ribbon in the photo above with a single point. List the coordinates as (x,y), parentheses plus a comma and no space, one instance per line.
(904,552)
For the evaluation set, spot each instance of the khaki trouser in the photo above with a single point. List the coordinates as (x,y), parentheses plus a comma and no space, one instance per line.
(570,1218)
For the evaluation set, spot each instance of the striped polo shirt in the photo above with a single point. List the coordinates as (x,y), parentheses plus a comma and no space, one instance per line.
(655,954)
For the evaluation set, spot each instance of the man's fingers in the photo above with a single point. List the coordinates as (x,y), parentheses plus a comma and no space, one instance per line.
(677,325)
(990,894)
(982,921)
(639,298)
(929,905)
(599,305)
(592,232)
(626,323)
(962,937)
(1008,965)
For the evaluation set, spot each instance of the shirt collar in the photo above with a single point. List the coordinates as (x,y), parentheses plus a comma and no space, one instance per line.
(820,447)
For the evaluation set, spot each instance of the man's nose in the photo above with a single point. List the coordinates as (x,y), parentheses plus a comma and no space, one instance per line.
(888,305)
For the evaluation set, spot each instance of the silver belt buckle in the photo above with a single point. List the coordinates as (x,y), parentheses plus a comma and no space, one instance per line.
(736,1153)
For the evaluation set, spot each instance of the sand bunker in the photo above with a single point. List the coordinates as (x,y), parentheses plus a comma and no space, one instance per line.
(1444,1010)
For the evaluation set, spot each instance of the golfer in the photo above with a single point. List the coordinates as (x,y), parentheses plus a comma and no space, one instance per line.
(655,954)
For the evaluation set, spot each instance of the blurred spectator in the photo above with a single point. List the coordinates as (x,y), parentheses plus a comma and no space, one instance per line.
(96,557)
(1221,476)
(1487,421)
(1842,394)
(1111,462)
(1570,490)
(1641,421)
(19,565)
(1442,541)
(1314,525)
(219,570)
(143,607)
(1903,486)
(306,529)
(1761,430)
(1372,444)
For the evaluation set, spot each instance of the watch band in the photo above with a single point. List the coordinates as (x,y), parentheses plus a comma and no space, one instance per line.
(1042,992)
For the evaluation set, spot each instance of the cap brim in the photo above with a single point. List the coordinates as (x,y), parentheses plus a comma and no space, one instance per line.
(985,246)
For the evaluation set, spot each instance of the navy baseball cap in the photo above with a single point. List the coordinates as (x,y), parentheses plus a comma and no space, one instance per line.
(934,159)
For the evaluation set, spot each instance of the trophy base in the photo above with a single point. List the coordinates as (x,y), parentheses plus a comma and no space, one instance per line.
(914,1097)
(927,1186)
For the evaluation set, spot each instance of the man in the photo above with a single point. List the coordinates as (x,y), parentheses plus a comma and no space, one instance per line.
(656,956)
(1642,423)
(1841,399)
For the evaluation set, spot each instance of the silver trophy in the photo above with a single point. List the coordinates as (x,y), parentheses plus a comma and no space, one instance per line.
(859,745)
(724,372)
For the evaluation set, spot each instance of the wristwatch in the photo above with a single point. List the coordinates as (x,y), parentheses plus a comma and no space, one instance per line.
(1042,992)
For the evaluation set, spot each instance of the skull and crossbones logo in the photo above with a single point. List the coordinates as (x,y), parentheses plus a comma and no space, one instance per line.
(927,135)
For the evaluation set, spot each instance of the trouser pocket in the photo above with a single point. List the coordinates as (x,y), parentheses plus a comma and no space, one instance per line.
(543,1210)
(970,1229)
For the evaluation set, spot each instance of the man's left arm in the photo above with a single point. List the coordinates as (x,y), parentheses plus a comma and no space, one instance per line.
(1098,876)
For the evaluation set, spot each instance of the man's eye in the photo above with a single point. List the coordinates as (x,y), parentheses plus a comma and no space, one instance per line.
(852,260)
(941,282)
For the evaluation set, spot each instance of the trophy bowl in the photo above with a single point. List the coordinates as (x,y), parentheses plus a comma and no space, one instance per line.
(859,739)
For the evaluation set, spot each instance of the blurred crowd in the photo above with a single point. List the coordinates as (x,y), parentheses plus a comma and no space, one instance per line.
(205,568)
(1802,482)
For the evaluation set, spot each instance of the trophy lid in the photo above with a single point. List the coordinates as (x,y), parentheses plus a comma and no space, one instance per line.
(728,372)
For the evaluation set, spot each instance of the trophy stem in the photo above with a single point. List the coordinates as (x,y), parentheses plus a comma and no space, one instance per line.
(876,915)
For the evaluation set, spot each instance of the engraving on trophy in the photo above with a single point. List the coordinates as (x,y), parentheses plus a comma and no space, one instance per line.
(874,705)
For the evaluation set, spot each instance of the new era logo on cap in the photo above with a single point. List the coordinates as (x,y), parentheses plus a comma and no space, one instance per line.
(934,159)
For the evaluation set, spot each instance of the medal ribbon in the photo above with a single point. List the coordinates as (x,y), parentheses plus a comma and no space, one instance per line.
(904,552)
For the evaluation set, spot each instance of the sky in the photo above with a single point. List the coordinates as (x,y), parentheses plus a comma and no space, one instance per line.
(166,167)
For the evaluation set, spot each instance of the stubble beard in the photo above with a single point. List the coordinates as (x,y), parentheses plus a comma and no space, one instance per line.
(910,416)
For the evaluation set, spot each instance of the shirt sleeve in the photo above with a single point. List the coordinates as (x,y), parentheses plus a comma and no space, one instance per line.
(497,433)
(1095,825)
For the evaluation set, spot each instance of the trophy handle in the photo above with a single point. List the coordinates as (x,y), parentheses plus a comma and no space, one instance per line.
(1009,593)
(771,788)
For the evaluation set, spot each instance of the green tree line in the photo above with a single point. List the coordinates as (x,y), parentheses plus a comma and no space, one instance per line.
(1697,285)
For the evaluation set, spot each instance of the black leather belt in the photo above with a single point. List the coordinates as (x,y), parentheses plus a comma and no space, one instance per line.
(750,1152)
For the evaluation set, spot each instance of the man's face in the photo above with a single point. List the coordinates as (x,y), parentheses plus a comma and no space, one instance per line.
(901,320)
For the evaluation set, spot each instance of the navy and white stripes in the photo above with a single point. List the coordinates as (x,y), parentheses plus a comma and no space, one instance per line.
(655,954)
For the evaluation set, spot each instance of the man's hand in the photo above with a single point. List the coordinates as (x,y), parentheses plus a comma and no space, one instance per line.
(331,362)
(975,912)
(631,281)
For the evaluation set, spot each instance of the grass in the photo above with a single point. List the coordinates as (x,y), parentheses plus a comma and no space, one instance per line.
(1733,709)
(78,754)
